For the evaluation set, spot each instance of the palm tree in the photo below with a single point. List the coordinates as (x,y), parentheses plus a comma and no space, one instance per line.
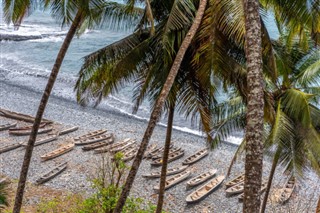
(318,206)
(75,12)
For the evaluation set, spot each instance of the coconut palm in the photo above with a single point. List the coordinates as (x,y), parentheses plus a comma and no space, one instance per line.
(76,12)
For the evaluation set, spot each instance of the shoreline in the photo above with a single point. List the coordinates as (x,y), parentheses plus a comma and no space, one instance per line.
(75,179)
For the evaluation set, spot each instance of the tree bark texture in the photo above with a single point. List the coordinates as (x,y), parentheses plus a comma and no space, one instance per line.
(159,104)
(255,106)
(318,206)
(165,161)
(44,100)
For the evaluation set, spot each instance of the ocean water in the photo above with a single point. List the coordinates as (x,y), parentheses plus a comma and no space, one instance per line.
(27,63)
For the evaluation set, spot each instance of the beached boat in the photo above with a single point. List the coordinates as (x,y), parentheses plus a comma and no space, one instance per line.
(287,190)
(93,139)
(68,130)
(204,190)
(20,116)
(29,127)
(170,171)
(112,146)
(173,180)
(195,157)
(43,140)
(9,147)
(173,156)
(171,150)
(157,151)
(236,189)
(123,147)
(90,134)
(58,152)
(150,149)
(263,188)
(201,178)
(7,126)
(235,181)
(130,154)
(98,144)
(28,131)
(52,173)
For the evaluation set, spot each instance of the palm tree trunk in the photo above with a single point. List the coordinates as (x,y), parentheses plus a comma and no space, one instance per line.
(150,17)
(165,161)
(44,100)
(273,169)
(318,206)
(255,105)
(159,104)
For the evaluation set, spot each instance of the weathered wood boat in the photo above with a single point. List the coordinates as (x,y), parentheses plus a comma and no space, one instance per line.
(7,126)
(173,156)
(263,188)
(235,181)
(55,153)
(20,116)
(112,146)
(93,139)
(28,132)
(130,154)
(42,140)
(195,157)
(68,130)
(201,178)
(98,144)
(90,134)
(287,190)
(236,189)
(172,150)
(52,173)
(173,180)
(29,127)
(9,147)
(123,147)
(205,190)
(150,149)
(157,151)
(170,171)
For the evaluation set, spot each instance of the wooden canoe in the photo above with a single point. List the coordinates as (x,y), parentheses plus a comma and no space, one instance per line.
(112,146)
(9,147)
(263,188)
(287,191)
(170,171)
(28,132)
(130,154)
(236,189)
(98,144)
(29,127)
(7,126)
(68,130)
(123,147)
(172,150)
(235,181)
(52,173)
(58,152)
(90,134)
(173,156)
(195,157)
(201,178)
(42,140)
(173,180)
(157,151)
(93,139)
(205,190)
(20,116)
(150,149)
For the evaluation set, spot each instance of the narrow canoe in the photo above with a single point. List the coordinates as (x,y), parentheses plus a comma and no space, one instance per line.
(263,188)
(205,190)
(287,191)
(124,147)
(173,180)
(157,151)
(7,126)
(130,154)
(9,147)
(236,189)
(90,134)
(195,157)
(20,116)
(170,171)
(42,140)
(58,152)
(93,139)
(235,181)
(172,150)
(150,149)
(66,131)
(52,173)
(201,178)
(29,127)
(28,132)
(174,156)
(112,146)
(98,144)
